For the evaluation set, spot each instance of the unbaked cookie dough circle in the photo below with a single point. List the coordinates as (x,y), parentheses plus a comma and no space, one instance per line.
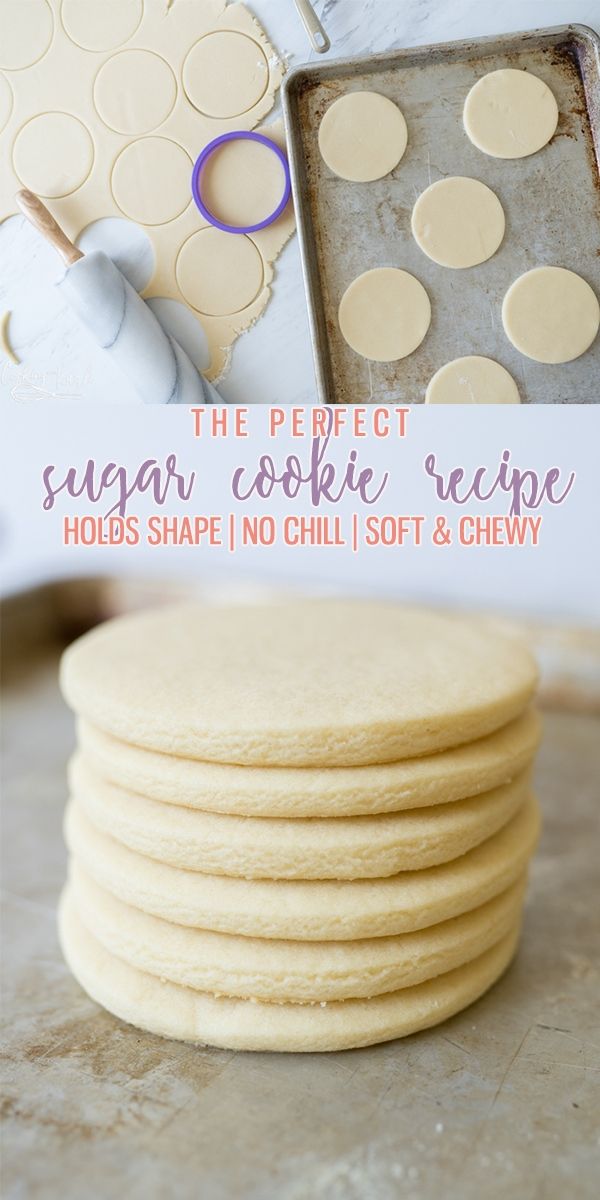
(384,314)
(27,27)
(219,273)
(510,114)
(225,74)
(151,180)
(362,136)
(53,154)
(472,380)
(458,222)
(373,682)
(101,24)
(134,91)
(242,182)
(173,1011)
(6,102)
(551,315)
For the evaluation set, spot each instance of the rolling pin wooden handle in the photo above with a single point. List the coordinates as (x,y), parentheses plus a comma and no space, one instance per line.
(318,38)
(36,212)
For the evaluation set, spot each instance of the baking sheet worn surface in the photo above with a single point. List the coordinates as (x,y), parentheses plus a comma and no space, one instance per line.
(551,200)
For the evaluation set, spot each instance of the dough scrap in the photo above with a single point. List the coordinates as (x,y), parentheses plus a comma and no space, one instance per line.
(372,682)
(551,315)
(297,972)
(458,222)
(173,1011)
(151,180)
(40,167)
(384,314)
(472,380)
(304,848)
(219,273)
(316,792)
(510,114)
(225,74)
(362,136)
(134,91)
(314,910)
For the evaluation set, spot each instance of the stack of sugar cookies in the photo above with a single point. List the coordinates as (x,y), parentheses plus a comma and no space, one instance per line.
(297,827)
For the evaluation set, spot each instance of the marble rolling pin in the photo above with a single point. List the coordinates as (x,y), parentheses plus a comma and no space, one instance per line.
(119,320)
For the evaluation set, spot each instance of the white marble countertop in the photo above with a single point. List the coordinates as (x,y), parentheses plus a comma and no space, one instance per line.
(272,362)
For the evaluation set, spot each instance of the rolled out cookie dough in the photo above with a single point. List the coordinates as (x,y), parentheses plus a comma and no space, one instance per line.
(510,114)
(134,91)
(225,74)
(458,222)
(219,273)
(151,180)
(551,315)
(316,792)
(306,848)
(300,972)
(37,163)
(472,380)
(173,1011)
(310,683)
(384,314)
(362,136)
(319,911)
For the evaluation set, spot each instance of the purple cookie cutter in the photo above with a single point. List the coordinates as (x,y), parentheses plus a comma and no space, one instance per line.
(239,135)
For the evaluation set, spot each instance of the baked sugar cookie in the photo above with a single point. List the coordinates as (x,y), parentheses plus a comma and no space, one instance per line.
(551,315)
(458,222)
(298,972)
(316,791)
(384,314)
(305,848)
(510,114)
(313,910)
(173,1011)
(362,136)
(472,380)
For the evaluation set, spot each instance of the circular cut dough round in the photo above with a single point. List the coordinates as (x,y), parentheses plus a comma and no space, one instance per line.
(40,164)
(151,180)
(173,1011)
(510,114)
(551,315)
(102,25)
(385,314)
(308,683)
(6,102)
(362,136)
(313,910)
(472,380)
(458,222)
(134,91)
(242,182)
(27,27)
(313,791)
(305,848)
(225,74)
(297,972)
(219,273)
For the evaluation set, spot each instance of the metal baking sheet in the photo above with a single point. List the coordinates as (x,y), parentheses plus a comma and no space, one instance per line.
(551,200)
